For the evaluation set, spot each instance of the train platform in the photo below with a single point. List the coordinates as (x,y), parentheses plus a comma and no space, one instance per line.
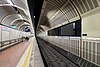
(24,54)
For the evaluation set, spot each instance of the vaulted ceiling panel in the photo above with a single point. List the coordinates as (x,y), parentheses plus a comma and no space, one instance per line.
(57,12)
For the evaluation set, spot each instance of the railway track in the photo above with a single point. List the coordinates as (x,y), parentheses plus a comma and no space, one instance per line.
(52,57)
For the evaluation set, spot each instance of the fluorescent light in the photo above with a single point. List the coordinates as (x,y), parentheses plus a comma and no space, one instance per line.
(25,23)
(9,1)
(34,16)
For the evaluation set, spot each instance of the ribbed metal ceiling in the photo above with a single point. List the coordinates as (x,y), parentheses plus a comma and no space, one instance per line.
(59,11)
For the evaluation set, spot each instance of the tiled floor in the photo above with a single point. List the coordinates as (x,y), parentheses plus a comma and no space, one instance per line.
(11,56)
(36,59)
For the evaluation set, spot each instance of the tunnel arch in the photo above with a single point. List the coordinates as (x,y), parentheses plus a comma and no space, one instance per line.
(11,17)
(4,5)
(65,11)
(22,26)
(14,22)
(22,11)
(59,10)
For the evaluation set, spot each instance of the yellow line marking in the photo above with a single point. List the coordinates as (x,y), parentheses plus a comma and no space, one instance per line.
(27,56)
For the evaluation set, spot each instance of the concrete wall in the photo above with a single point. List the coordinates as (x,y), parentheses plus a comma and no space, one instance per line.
(91,25)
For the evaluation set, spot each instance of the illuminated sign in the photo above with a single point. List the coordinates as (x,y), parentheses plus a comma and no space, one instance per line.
(14,27)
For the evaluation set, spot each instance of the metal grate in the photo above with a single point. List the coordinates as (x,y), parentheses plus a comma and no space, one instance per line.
(78,5)
(98,53)
(69,11)
(59,18)
(85,5)
(90,4)
(94,51)
(58,3)
(82,5)
(95,3)
(89,50)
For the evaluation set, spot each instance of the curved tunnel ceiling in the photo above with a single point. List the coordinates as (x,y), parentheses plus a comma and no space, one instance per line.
(10,18)
(13,11)
(22,26)
(22,5)
(16,21)
(57,12)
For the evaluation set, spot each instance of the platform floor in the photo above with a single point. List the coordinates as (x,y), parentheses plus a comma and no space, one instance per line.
(36,59)
(24,54)
(11,56)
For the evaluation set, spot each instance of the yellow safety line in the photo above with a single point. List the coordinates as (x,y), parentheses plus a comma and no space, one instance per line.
(27,56)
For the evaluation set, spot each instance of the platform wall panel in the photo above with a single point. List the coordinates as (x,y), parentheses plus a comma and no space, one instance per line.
(0,33)
(5,33)
(12,34)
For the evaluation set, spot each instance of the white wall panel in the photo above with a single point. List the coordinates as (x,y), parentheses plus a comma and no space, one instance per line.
(5,33)
(91,25)
(15,34)
(0,33)
(12,34)
(20,34)
(24,34)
